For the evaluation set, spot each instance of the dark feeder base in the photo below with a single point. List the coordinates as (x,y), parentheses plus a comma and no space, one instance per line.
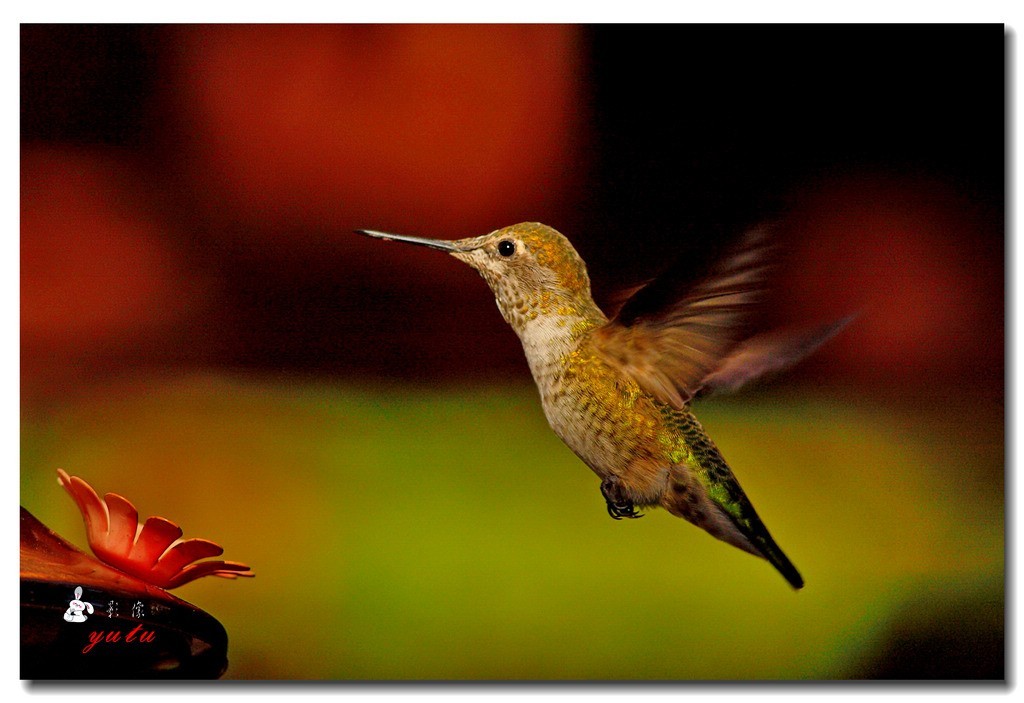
(136,630)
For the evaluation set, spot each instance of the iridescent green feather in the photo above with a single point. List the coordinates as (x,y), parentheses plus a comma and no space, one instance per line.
(694,448)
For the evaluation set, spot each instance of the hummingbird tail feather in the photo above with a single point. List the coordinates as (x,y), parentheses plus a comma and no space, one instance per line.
(781,562)
(752,536)
(687,498)
(759,542)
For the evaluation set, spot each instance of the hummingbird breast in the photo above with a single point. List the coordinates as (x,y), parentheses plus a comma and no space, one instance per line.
(603,416)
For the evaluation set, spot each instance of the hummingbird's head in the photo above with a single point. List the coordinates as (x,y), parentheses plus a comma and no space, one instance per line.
(531,268)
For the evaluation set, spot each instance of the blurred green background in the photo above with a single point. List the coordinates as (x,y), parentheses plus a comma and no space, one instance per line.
(409,532)
(202,333)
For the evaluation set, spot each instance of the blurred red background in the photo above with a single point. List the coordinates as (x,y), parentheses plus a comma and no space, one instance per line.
(402,126)
(188,193)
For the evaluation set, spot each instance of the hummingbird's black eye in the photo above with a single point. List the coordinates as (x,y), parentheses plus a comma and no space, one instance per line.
(506,247)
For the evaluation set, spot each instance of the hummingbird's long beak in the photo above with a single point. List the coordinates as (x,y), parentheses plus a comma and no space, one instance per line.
(441,244)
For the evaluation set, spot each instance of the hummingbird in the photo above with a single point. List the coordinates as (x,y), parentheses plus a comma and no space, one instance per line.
(618,389)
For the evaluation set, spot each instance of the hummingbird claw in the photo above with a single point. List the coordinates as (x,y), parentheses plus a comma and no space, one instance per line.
(621,510)
(619,505)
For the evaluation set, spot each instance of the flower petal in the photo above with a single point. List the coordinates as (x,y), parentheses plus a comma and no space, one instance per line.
(184,553)
(226,569)
(157,535)
(124,523)
(152,553)
(90,505)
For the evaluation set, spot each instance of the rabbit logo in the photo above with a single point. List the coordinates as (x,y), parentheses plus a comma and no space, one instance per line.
(76,609)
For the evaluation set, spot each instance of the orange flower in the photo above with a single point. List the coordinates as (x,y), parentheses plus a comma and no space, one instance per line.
(153,552)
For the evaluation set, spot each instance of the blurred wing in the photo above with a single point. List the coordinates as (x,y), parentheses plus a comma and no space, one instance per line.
(619,298)
(669,343)
(768,353)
